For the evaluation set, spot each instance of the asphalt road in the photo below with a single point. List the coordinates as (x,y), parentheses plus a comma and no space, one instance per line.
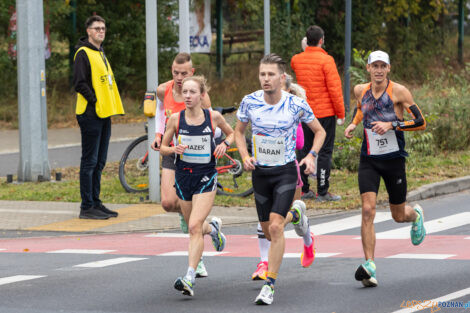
(139,277)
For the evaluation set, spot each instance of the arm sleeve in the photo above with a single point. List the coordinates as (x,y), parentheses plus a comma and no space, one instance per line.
(82,77)
(333,83)
(417,123)
(159,118)
(357,114)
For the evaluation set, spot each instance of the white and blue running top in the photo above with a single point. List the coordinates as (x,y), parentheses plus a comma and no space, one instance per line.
(274,127)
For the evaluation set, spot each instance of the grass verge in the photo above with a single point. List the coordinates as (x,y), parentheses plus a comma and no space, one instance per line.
(421,170)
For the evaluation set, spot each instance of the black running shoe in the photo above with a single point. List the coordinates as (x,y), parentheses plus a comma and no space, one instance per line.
(93,214)
(104,209)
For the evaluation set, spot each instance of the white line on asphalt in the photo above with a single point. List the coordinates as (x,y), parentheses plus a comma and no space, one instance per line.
(2,249)
(185,253)
(17,278)
(341,224)
(433,226)
(81,251)
(109,262)
(317,255)
(427,256)
(450,296)
(168,235)
(37,211)
(467,238)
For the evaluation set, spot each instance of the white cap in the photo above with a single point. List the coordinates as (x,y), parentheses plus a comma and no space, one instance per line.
(378,56)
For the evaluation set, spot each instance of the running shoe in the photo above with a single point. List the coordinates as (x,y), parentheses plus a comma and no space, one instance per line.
(308,255)
(266,295)
(301,227)
(183,225)
(328,197)
(185,286)
(366,274)
(418,232)
(218,240)
(261,271)
(201,270)
(307,195)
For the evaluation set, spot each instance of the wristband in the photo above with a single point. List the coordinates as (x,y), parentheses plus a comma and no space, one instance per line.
(244,159)
(314,153)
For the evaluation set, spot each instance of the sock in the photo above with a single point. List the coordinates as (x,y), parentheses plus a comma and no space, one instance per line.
(263,244)
(307,239)
(295,215)
(271,279)
(191,274)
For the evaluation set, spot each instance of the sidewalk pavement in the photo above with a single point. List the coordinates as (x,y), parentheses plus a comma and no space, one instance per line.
(63,216)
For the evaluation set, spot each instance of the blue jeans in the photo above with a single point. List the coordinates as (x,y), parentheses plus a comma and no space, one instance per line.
(96,133)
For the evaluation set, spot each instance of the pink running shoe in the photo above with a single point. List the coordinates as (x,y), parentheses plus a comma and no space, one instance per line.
(261,271)
(308,255)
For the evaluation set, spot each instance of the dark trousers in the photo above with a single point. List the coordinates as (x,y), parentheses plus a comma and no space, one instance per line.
(95,141)
(324,157)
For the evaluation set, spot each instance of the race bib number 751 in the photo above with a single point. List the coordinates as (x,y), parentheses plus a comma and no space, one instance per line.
(381,144)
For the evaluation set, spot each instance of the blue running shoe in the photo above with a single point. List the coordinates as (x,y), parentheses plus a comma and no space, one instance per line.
(218,240)
(185,286)
(183,225)
(418,232)
(365,273)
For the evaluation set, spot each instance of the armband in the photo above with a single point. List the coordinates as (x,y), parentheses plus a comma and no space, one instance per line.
(417,123)
(244,159)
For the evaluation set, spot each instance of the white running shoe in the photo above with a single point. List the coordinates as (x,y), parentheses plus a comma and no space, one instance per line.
(218,240)
(301,227)
(266,295)
(201,270)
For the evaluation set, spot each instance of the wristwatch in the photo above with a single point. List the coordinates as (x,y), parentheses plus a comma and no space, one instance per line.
(314,153)
(394,125)
(227,143)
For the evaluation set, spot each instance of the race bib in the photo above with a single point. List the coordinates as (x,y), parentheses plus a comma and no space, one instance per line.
(269,151)
(381,144)
(198,150)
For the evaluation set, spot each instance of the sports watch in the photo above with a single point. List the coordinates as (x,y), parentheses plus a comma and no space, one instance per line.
(394,125)
(314,153)
(227,143)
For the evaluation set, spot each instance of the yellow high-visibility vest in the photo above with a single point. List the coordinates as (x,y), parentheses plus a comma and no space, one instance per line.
(108,101)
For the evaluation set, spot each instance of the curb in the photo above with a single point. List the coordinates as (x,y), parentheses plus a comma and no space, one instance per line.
(439,189)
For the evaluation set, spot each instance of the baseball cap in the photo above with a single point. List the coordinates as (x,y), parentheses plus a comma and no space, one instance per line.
(378,56)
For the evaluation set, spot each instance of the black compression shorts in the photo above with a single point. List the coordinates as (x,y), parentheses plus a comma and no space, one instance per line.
(168,162)
(274,188)
(393,173)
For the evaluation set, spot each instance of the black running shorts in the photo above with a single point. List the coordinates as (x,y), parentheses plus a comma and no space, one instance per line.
(188,184)
(393,173)
(274,188)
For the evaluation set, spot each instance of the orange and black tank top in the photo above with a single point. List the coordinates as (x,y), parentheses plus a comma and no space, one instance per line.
(380,109)
(169,103)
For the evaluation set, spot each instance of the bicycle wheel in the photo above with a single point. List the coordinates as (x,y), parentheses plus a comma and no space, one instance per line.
(232,179)
(133,167)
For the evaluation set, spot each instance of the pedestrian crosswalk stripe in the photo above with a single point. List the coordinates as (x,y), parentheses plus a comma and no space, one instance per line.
(81,251)
(17,278)
(185,253)
(2,249)
(109,262)
(427,256)
(450,296)
(317,255)
(433,226)
(341,224)
(168,235)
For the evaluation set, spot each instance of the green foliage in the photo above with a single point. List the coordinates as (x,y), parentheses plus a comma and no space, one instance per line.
(357,71)
(347,151)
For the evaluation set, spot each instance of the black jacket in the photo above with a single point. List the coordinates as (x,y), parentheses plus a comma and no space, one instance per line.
(82,75)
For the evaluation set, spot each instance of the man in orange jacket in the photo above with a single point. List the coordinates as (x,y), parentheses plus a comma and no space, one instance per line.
(316,72)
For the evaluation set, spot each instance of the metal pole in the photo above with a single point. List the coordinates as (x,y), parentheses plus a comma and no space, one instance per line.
(461,31)
(267,28)
(347,55)
(220,43)
(184,26)
(152,82)
(32,107)
(72,37)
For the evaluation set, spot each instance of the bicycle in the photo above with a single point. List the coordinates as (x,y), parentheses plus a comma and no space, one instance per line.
(232,180)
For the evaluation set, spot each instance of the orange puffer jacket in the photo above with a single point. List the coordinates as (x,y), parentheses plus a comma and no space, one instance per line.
(316,72)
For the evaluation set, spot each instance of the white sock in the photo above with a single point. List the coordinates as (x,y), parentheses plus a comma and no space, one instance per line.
(263,244)
(191,274)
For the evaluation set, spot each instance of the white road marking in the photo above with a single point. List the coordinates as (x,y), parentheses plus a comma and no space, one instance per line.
(168,235)
(109,262)
(340,225)
(317,255)
(450,296)
(81,251)
(427,256)
(433,226)
(185,253)
(37,211)
(17,278)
